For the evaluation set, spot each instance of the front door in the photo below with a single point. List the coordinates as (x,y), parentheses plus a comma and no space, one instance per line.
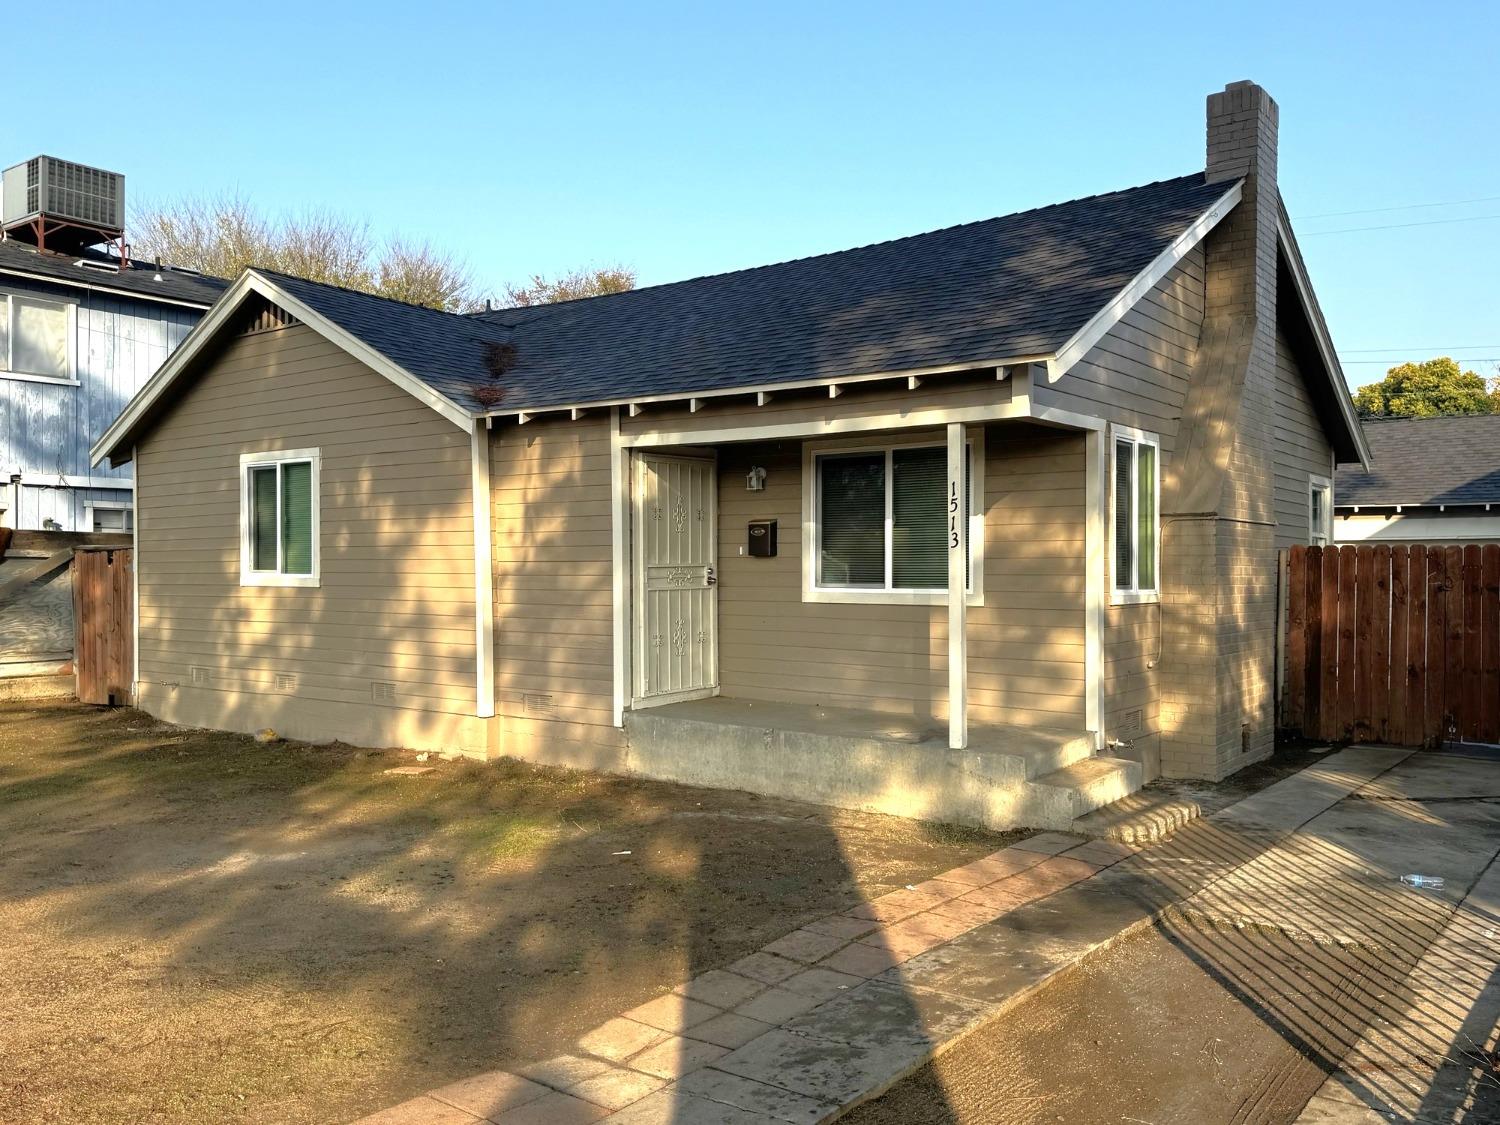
(676,549)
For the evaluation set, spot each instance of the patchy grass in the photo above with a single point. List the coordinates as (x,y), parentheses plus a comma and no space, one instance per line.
(196,927)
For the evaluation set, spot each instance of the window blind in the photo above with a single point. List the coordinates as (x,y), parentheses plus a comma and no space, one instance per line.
(1124,519)
(851,517)
(1146,533)
(919,519)
(263,518)
(296,518)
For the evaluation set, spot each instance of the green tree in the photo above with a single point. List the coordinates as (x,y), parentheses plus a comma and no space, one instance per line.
(1423,390)
(592,282)
(224,235)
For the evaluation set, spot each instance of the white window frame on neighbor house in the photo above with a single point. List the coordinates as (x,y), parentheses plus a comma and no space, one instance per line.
(812,531)
(8,337)
(1320,536)
(248,575)
(1133,593)
(92,506)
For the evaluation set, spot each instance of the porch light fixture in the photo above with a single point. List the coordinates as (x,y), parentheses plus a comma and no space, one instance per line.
(755,479)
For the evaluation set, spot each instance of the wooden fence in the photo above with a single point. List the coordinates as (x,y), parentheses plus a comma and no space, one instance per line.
(1397,644)
(103,625)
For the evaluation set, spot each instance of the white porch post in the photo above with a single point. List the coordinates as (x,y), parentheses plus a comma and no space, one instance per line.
(619,524)
(958,554)
(1095,595)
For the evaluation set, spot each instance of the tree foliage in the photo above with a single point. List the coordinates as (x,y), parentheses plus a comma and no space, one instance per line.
(1424,390)
(224,235)
(591,282)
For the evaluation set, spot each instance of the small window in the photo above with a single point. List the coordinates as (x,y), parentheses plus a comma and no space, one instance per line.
(1136,486)
(36,338)
(881,525)
(1319,511)
(279,518)
(117,519)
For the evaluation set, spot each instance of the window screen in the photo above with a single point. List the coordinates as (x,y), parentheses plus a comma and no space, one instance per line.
(38,337)
(263,518)
(296,518)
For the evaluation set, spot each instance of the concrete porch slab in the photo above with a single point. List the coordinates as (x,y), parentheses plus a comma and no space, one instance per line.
(899,765)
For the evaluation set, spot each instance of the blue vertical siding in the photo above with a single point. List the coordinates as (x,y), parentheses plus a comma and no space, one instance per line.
(47,429)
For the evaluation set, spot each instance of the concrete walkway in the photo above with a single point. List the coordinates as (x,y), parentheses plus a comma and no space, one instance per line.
(835,1013)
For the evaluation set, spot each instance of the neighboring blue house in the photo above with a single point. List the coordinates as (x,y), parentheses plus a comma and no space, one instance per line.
(78,338)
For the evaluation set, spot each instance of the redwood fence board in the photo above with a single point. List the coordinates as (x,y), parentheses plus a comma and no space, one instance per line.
(1393,644)
(104,629)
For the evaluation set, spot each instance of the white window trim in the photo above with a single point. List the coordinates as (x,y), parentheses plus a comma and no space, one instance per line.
(249,577)
(68,380)
(1314,483)
(1132,595)
(90,506)
(812,592)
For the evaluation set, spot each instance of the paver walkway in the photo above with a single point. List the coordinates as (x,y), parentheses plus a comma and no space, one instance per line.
(836,1012)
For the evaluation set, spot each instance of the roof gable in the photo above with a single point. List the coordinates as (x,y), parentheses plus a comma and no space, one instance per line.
(242,306)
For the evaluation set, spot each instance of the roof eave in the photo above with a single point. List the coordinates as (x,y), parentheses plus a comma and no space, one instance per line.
(97,287)
(1339,386)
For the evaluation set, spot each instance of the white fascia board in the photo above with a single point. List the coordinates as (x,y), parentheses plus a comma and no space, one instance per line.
(1145,281)
(834,384)
(1326,353)
(196,340)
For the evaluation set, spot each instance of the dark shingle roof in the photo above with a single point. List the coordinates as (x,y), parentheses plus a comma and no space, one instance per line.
(1003,288)
(137,281)
(1426,461)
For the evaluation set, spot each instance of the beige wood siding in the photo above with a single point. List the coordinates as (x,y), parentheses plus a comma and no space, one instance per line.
(1138,376)
(550,482)
(1302,448)
(1026,643)
(396,602)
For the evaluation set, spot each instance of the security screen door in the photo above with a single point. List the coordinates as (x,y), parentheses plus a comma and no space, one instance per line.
(676,619)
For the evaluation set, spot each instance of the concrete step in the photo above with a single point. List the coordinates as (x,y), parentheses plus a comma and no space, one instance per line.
(1043,751)
(1146,817)
(1057,799)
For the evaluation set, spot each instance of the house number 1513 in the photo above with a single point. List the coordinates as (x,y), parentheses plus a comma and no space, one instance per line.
(953,515)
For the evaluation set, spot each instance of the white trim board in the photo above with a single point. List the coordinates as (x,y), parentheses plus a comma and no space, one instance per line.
(484,573)
(1127,298)
(205,331)
(64,480)
(278,577)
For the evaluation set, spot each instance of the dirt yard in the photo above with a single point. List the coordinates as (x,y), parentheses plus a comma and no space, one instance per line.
(195,927)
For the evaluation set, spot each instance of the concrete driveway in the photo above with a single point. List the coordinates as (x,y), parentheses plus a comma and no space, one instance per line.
(1305,984)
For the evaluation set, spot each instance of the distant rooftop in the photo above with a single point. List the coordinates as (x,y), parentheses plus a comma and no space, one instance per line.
(1425,461)
(142,279)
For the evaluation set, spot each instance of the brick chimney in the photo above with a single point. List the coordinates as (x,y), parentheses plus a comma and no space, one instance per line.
(1243,122)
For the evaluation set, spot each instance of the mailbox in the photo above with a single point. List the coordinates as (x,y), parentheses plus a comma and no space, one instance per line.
(762,536)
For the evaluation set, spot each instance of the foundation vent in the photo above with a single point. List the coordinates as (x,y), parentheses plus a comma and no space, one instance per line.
(382,692)
(199,675)
(1130,724)
(286,682)
(538,704)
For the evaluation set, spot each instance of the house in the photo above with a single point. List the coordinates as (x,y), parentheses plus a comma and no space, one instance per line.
(1431,480)
(976,525)
(80,333)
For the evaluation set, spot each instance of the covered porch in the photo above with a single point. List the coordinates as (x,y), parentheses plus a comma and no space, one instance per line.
(867,603)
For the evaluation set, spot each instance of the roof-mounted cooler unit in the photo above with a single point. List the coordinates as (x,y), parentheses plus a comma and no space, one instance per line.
(58,205)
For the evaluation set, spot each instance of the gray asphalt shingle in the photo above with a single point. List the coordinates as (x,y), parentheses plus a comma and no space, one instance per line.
(140,280)
(1017,285)
(1451,460)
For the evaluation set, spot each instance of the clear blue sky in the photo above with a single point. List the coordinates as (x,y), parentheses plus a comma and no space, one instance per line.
(688,139)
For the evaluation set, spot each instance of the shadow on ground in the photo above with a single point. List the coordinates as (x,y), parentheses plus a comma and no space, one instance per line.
(196,927)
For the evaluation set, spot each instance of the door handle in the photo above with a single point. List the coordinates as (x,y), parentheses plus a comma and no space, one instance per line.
(709,576)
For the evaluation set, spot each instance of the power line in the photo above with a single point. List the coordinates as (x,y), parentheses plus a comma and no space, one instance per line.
(1399,207)
(1398,226)
(1436,348)
(1396,363)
